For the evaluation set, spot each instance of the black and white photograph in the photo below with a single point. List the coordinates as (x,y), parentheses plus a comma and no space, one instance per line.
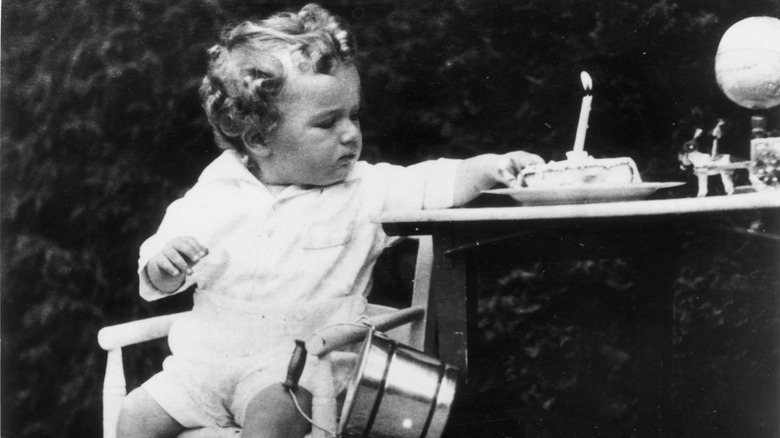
(390,219)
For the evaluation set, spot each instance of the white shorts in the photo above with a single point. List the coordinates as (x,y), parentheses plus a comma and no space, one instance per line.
(218,366)
(199,395)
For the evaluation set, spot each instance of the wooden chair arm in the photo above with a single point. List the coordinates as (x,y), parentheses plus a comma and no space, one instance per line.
(112,339)
(134,332)
(383,318)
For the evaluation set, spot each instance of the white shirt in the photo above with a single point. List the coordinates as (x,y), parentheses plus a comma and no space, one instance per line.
(306,244)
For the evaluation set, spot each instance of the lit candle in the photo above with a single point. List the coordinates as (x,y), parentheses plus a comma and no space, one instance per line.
(582,126)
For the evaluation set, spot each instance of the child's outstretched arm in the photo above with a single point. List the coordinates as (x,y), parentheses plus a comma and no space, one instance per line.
(484,171)
(167,269)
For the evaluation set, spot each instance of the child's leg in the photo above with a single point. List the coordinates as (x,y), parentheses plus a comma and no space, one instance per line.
(141,416)
(272,414)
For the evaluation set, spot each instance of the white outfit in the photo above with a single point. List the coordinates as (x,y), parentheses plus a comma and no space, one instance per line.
(277,269)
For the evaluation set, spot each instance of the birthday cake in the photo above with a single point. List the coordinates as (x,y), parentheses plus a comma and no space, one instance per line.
(580,169)
(606,171)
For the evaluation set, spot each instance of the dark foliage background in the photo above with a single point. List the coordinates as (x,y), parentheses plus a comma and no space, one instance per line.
(101,130)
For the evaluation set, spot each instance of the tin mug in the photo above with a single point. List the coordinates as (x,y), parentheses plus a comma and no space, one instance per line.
(765,163)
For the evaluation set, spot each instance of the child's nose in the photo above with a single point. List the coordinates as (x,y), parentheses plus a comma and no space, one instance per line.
(350,133)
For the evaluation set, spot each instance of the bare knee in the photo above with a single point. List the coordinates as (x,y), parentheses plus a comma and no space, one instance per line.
(141,416)
(273,413)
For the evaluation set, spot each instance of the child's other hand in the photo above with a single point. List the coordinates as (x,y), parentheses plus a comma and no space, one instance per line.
(167,269)
(510,165)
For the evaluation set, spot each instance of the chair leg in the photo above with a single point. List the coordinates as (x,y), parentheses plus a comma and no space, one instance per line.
(324,406)
(114,392)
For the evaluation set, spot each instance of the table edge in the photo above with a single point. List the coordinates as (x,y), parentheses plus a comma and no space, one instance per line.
(677,206)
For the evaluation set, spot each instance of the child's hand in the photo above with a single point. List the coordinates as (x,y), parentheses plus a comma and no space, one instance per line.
(510,165)
(484,171)
(167,269)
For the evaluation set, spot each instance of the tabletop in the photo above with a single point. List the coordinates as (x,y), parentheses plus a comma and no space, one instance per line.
(413,222)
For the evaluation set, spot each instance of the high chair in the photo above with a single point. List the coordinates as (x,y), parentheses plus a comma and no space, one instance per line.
(407,326)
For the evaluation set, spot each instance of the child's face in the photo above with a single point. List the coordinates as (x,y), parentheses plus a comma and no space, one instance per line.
(318,138)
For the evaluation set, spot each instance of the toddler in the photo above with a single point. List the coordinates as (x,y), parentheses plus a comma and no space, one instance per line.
(277,235)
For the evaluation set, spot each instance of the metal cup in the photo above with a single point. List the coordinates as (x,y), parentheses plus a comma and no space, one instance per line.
(765,163)
(397,392)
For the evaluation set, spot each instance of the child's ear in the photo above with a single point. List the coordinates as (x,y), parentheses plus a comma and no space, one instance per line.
(255,142)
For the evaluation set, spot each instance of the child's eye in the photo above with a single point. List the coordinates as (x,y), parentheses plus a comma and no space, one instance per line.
(326,124)
(354,117)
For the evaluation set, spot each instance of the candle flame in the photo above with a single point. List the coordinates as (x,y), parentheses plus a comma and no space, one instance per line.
(587,82)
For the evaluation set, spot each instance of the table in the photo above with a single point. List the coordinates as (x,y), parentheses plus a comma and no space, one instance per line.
(639,230)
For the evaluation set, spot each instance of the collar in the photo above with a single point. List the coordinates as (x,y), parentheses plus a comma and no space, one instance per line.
(229,165)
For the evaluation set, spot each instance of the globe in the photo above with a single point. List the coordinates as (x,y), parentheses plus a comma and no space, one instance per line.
(747,64)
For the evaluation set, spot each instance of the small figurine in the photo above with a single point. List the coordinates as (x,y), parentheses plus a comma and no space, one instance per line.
(704,165)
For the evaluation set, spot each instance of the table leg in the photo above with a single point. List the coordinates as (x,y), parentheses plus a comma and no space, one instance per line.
(771,221)
(454,294)
(654,339)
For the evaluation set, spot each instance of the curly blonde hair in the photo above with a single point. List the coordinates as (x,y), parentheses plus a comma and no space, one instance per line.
(244,78)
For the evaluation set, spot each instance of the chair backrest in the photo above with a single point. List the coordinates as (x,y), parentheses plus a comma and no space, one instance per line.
(417,333)
(408,326)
